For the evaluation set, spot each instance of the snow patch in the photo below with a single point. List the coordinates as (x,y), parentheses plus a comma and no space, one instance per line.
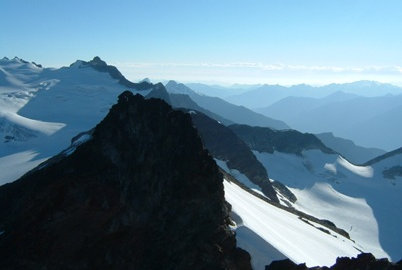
(330,167)
(364,171)
(14,166)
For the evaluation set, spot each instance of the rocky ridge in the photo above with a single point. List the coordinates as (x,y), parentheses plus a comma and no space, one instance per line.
(140,192)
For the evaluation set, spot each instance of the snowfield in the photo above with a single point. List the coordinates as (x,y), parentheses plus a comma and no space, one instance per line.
(285,235)
(357,199)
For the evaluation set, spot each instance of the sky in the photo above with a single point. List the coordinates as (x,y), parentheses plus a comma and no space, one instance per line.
(215,41)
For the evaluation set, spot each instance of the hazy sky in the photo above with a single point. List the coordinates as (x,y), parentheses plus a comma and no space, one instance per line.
(282,41)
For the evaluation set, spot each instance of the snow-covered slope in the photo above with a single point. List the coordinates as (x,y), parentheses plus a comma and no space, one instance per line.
(41,109)
(269,233)
(357,199)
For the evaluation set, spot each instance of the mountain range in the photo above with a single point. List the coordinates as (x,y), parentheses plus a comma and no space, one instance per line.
(266,95)
(236,114)
(362,119)
(102,184)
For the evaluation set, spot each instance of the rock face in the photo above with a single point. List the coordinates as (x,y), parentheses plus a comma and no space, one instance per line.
(288,141)
(364,261)
(141,193)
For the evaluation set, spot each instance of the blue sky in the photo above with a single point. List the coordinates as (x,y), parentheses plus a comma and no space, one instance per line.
(226,41)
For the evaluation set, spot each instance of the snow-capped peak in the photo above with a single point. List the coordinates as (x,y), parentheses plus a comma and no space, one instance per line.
(77,64)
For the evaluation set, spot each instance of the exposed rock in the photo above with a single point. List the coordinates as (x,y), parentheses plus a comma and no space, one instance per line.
(393,172)
(141,193)
(364,261)
(287,141)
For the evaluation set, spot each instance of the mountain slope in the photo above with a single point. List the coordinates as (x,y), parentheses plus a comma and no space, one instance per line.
(138,193)
(329,187)
(184,101)
(261,226)
(100,65)
(236,114)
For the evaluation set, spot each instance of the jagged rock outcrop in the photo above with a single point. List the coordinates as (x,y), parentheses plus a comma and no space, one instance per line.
(140,192)
(364,261)
(264,139)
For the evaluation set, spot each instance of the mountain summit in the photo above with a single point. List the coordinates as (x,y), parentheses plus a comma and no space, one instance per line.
(139,192)
(98,64)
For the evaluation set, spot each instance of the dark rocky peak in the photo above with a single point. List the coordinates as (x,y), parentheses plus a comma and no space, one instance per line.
(17,59)
(364,261)
(140,193)
(97,62)
(268,140)
(223,144)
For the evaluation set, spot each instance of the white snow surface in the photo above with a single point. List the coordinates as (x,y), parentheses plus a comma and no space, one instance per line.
(357,199)
(282,233)
(364,171)
(15,165)
(41,109)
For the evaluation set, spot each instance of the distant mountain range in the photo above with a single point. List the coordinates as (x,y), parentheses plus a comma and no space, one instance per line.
(368,121)
(236,114)
(267,95)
